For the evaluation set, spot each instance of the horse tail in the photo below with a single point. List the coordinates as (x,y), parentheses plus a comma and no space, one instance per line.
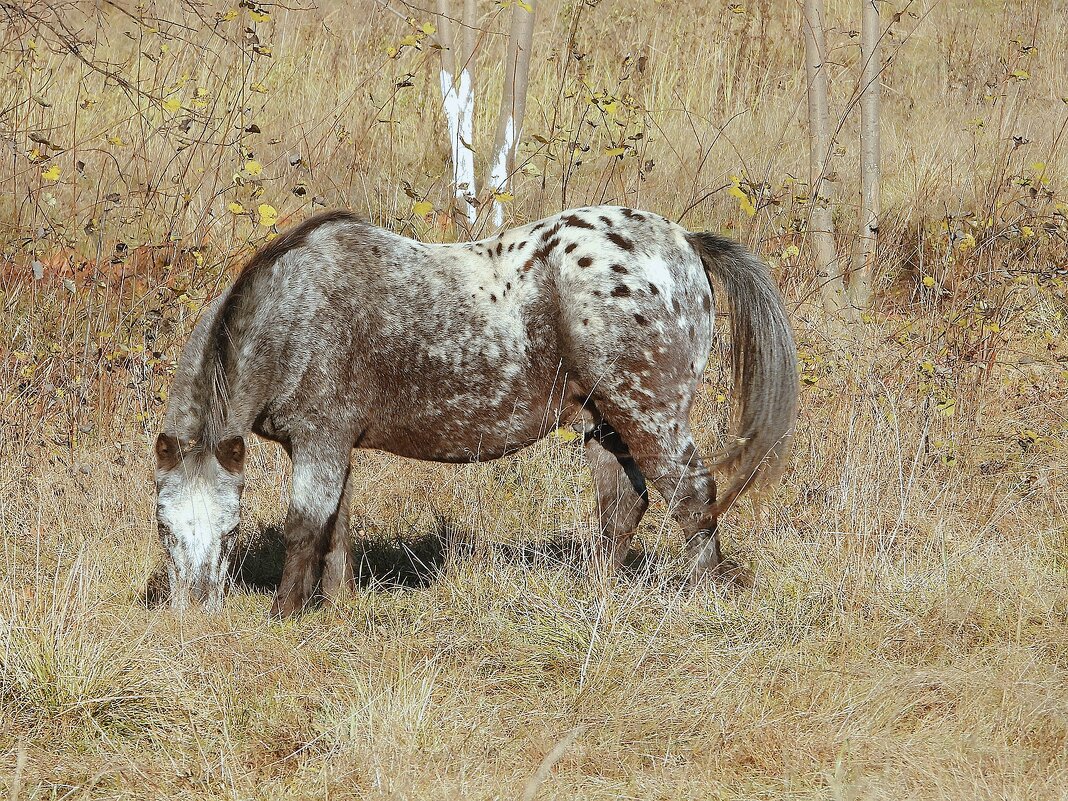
(764,367)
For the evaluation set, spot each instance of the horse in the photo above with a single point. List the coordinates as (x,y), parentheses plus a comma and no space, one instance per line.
(339,334)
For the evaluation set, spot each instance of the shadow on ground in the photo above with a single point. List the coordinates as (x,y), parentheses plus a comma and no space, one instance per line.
(415,560)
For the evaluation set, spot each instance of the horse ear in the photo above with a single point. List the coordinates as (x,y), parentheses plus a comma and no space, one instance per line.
(231,454)
(167,452)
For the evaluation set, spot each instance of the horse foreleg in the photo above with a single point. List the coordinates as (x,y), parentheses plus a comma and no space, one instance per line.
(337,568)
(319,478)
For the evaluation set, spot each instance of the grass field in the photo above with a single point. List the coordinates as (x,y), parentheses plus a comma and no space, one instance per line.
(902,629)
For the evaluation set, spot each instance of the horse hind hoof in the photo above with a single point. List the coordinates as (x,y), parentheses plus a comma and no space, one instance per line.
(724,572)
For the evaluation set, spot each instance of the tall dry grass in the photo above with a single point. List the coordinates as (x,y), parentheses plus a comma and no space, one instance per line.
(905,628)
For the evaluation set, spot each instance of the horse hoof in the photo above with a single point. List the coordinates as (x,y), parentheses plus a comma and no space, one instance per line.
(285,607)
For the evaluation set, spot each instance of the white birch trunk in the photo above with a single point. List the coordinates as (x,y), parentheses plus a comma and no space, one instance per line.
(458,97)
(860,283)
(821,224)
(513,104)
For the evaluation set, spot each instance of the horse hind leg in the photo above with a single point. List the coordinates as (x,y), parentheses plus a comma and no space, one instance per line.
(683,478)
(622,496)
(668,456)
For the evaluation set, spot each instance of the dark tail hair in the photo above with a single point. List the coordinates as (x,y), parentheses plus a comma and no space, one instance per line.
(764,366)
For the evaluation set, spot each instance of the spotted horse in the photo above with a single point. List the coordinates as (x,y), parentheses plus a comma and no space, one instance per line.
(339,335)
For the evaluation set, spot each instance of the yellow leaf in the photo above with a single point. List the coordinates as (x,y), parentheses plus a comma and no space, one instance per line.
(1021,75)
(421,208)
(615,151)
(736,8)
(229,14)
(523,4)
(566,435)
(235,208)
(928,281)
(745,203)
(947,407)
(116,140)
(268,214)
(172,105)
(258,87)
(391,51)
(1027,231)
(409,41)
(428,28)
(253,167)
(52,173)
(259,16)
(503,197)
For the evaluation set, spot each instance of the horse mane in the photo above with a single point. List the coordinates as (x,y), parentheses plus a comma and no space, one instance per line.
(218,362)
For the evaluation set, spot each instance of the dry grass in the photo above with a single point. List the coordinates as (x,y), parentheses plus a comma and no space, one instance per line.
(905,631)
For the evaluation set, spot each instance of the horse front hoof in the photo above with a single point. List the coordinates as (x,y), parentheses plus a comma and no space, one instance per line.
(285,607)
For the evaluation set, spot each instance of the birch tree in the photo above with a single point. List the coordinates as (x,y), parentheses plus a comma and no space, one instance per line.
(513,103)
(458,97)
(860,282)
(821,223)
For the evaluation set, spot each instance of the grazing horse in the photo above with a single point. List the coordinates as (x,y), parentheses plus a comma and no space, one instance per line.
(339,335)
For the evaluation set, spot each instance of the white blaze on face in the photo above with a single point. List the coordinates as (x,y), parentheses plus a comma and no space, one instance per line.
(196,512)
(459,100)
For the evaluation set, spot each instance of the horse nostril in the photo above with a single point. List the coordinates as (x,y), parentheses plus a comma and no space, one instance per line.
(200,589)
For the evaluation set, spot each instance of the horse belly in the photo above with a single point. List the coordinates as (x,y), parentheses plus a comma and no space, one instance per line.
(478,417)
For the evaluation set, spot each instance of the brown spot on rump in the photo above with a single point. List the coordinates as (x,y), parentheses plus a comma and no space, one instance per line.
(585,261)
(576,222)
(528,266)
(619,268)
(507,286)
(499,248)
(493,298)
(606,220)
(586,321)
(571,247)
(640,319)
(597,293)
(520,246)
(706,301)
(621,291)
(511,246)
(552,231)
(375,251)
(546,248)
(620,241)
(653,289)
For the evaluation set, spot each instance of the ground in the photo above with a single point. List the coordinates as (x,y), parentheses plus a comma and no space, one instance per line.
(900,629)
